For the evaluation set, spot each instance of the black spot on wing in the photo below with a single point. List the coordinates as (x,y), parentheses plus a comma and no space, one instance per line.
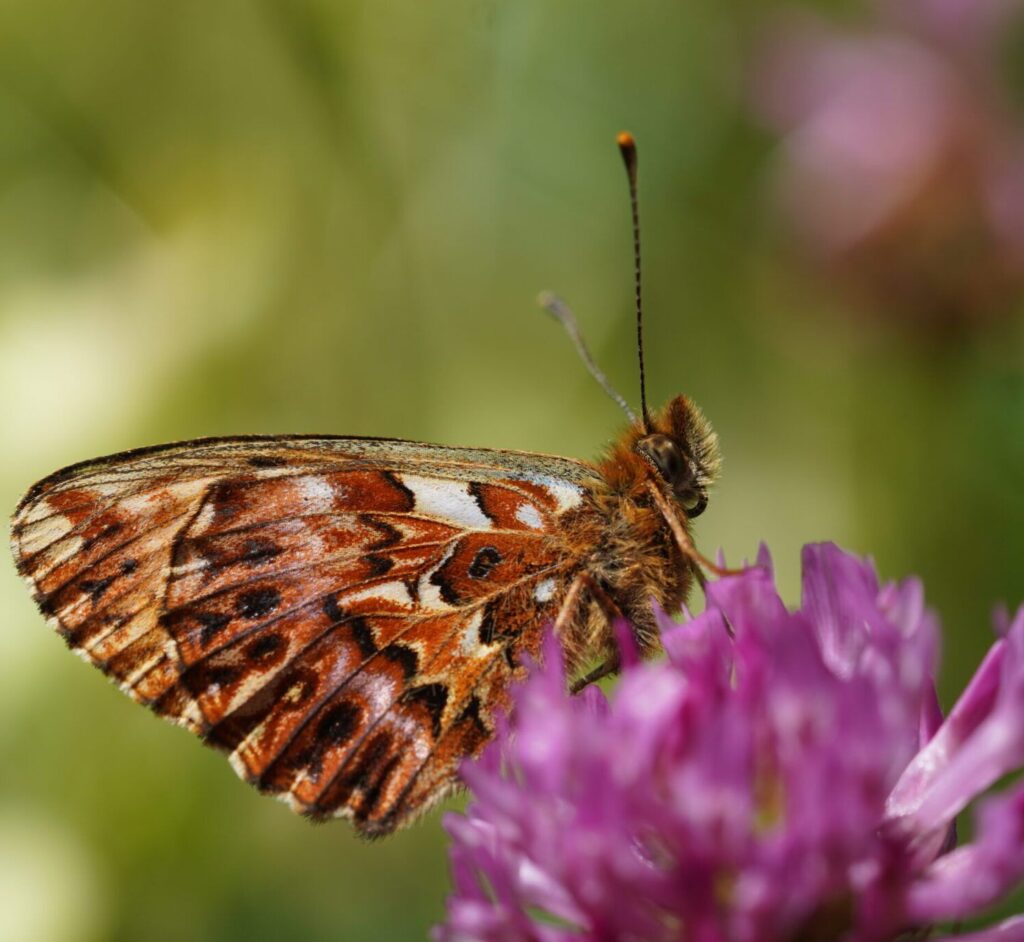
(266,649)
(389,535)
(257,602)
(221,675)
(333,610)
(404,656)
(95,588)
(338,724)
(476,492)
(21,562)
(379,565)
(484,561)
(434,698)
(360,628)
(445,588)
(227,500)
(181,550)
(257,551)
(494,630)
(488,627)
(47,603)
(362,633)
(211,625)
(408,497)
(472,713)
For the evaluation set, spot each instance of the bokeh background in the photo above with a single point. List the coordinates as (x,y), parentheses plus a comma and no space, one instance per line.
(334,216)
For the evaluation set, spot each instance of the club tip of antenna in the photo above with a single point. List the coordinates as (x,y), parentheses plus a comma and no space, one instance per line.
(628,147)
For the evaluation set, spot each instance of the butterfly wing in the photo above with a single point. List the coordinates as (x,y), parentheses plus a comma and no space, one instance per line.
(340,615)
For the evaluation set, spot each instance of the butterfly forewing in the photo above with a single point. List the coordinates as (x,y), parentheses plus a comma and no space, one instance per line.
(342,616)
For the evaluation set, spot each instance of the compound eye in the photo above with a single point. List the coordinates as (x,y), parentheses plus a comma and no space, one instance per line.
(671,463)
(668,459)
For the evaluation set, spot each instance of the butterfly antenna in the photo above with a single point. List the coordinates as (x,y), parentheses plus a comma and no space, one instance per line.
(559,310)
(627,147)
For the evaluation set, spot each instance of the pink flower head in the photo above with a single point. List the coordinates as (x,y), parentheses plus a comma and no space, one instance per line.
(783,775)
(901,162)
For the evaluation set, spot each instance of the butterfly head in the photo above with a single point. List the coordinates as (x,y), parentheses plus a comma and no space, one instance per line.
(677,444)
(682,448)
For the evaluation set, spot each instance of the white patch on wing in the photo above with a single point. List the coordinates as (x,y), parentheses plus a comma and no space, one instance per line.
(108,643)
(395,591)
(377,690)
(185,569)
(146,501)
(469,641)
(530,515)
(545,591)
(137,504)
(204,520)
(105,488)
(316,494)
(238,764)
(430,594)
(191,715)
(449,501)
(68,547)
(566,495)
(420,748)
(38,512)
(41,533)
(411,733)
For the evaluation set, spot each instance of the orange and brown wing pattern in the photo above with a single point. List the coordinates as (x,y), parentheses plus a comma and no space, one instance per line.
(341,616)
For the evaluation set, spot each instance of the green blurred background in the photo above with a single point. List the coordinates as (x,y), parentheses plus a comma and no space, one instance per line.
(312,216)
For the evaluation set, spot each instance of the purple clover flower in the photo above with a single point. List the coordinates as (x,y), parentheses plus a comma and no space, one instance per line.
(780,776)
(901,165)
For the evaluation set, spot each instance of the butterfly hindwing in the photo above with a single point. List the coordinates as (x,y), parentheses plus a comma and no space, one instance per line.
(342,616)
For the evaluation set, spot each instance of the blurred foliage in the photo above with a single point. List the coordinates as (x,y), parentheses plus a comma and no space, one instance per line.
(277,216)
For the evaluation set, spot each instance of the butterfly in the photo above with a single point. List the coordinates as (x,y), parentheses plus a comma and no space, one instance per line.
(344,616)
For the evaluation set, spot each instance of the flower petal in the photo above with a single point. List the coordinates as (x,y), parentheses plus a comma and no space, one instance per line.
(973,877)
(742,789)
(973,706)
(839,593)
(987,744)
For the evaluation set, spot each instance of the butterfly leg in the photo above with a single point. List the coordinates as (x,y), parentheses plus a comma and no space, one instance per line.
(602,670)
(612,611)
(569,603)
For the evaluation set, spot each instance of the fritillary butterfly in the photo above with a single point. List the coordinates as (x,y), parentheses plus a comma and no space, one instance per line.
(343,616)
